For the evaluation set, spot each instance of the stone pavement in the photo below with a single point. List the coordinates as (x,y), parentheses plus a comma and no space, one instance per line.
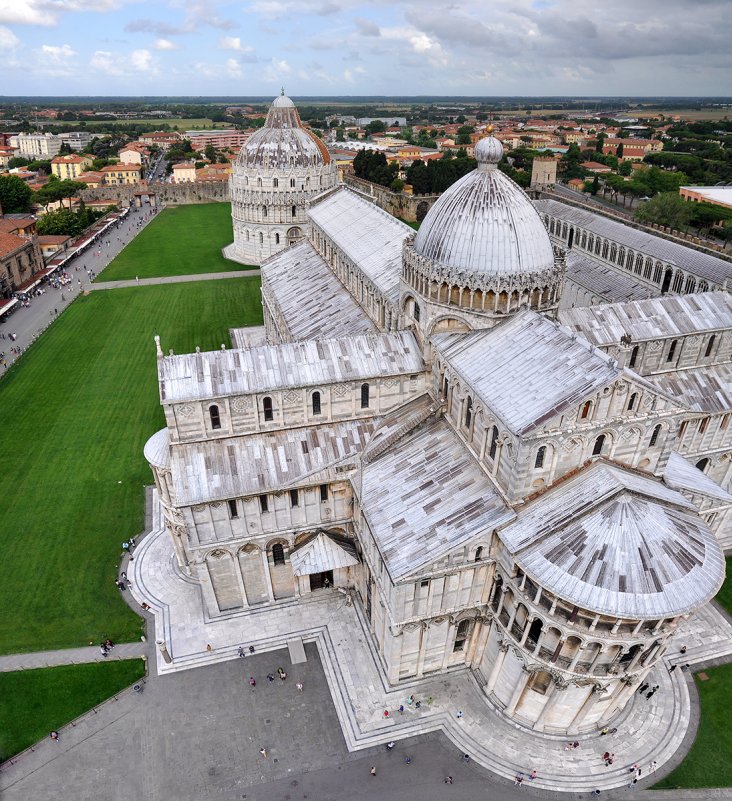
(70,656)
(647,730)
(172,279)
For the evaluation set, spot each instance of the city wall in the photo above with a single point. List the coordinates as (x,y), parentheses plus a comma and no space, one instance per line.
(411,208)
(165,194)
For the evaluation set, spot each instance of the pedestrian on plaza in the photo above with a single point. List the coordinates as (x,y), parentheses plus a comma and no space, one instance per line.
(606,756)
(672,668)
(373,770)
(386,713)
(109,643)
(448,779)
(466,758)
(410,700)
(252,681)
(263,752)
(270,677)
(518,780)
(54,736)
(652,692)
(401,709)
(240,652)
(281,673)
(643,687)
(299,686)
(633,768)
(251,649)
(604,731)
(653,766)
(103,650)
(459,714)
(533,774)
(683,649)
(209,648)
(390,745)
(429,701)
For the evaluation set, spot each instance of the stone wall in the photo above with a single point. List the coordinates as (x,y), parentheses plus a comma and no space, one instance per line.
(411,208)
(166,194)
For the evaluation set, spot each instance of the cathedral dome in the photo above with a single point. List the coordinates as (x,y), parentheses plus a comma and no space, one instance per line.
(282,143)
(485,224)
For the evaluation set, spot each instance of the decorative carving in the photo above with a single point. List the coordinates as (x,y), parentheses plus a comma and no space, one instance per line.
(215,504)
(293,396)
(391,382)
(241,404)
(340,390)
(186,410)
(199,507)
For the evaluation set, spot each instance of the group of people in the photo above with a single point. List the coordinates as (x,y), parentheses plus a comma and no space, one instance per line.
(271,677)
(106,646)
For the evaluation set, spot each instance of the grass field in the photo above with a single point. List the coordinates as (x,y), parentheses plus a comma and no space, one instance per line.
(74,416)
(709,763)
(36,702)
(724,596)
(189,124)
(181,240)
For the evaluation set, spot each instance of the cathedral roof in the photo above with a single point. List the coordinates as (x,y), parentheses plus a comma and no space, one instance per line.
(322,552)
(367,235)
(485,224)
(684,476)
(219,373)
(601,279)
(312,302)
(235,467)
(426,496)
(528,369)
(282,143)
(705,389)
(654,318)
(618,543)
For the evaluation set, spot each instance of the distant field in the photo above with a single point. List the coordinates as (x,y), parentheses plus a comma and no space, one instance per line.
(182,125)
(181,240)
(685,113)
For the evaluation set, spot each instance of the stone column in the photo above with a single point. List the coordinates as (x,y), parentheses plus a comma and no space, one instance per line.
(518,692)
(584,710)
(267,576)
(554,695)
(201,573)
(163,648)
(496,671)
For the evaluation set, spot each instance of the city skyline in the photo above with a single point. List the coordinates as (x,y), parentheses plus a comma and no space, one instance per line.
(346,47)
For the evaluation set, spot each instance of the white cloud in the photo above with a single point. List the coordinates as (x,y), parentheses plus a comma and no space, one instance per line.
(276,71)
(46,12)
(8,40)
(165,44)
(233,68)
(349,75)
(123,64)
(234,43)
(57,53)
(55,60)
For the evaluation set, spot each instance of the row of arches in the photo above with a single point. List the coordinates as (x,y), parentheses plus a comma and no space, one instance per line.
(261,237)
(657,272)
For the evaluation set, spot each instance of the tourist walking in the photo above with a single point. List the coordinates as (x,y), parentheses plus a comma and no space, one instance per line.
(373,770)
(299,686)
(252,681)
(263,752)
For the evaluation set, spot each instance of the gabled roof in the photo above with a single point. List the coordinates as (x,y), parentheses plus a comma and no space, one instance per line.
(195,376)
(682,475)
(369,236)
(601,279)
(653,318)
(618,543)
(312,301)
(426,496)
(322,552)
(703,389)
(528,369)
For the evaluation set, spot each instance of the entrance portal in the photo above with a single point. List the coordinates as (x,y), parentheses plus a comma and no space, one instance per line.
(320,580)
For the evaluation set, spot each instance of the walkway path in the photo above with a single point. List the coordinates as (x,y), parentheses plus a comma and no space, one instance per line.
(648,730)
(70,656)
(172,279)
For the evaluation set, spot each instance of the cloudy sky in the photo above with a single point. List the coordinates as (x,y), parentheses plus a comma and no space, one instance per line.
(363,47)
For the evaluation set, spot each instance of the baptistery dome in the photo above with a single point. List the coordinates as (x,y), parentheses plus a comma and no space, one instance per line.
(484,223)
(278,171)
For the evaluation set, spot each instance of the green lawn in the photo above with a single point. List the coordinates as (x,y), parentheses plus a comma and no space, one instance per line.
(709,763)
(181,240)
(37,702)
(724,596)
(74,416)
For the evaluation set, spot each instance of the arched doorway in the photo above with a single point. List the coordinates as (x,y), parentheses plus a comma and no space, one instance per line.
(294,235)
(666,281)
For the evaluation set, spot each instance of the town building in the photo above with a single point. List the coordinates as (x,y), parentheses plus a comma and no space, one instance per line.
(20,253)
(716,195)
(220,139)
(116,174)
(37,145)
(134,153)
(527,497)
(76,140)
(53,244)
(70,166)
(279,170)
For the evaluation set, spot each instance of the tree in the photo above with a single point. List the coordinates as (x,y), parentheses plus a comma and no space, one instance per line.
(340,135)
(626,168)
(17,161)
(396,185)
(375,126)
(600,142)
(595,185)
(210,153)
(15,194)
(65,149)
(418,177)
(666,208)
(460,119)
(619,151)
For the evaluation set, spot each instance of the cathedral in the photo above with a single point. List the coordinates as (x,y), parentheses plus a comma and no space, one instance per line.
(506,483)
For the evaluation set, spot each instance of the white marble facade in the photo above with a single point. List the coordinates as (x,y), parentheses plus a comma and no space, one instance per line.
(532,494)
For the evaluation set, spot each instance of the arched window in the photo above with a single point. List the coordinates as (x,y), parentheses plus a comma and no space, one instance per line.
(478,553)
(267,409)
(278,554)
(292,183)
(598,446)
(494,442)
(275,182)
(657,273)
(702,464)
(445,387)
(468,411)
(672,351)
(264,211)
(247,234)
(666,285)
(416,311)
(294,211)
(690,285)
(654,436)
(631,401)
(277,239)
(461,635)
(678,281)
(633,357)
(535,630)
(540,454)
(703,287)
(259,181)
(261,238)
(710,345)
(213,413)
(364,396)
(316,403)
(586,409)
